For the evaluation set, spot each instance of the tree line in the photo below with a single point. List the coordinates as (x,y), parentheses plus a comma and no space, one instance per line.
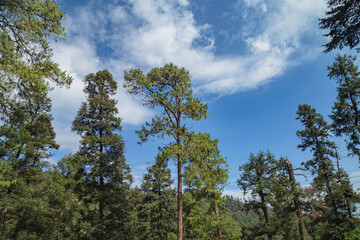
(88,194)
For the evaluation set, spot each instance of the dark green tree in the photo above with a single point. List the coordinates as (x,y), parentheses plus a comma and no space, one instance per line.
(32,200)
(26,132)
(272,184)
(168,88)
(256,176)
(36,206)
(159,203)
(102,166)
(339,198)
(345,112)
(342,21)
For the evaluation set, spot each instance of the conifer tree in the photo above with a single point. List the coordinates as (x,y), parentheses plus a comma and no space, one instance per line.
(338,206)
(345,112)
(159,203)
(342,21)
(205,177)
(25,27)
(256,177)
(26,133)
(168,88)
(102,166)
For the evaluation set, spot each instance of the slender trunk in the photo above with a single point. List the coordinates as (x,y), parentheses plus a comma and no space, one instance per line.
(2,220)
(217,216)
(265,211)
(348,208)
(101,200)
(297,202)
(180,222)
(180,196)
(354,107)
(338,165)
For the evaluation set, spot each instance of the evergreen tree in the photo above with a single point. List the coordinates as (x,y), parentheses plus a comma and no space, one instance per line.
(37,207)
(26,26)
(29,207)
(168,88)
(342,21)
(205,176)
(159,203)
(338,205)
(104,174)
(257,176)
(26,132)
(275,192)
(345,112)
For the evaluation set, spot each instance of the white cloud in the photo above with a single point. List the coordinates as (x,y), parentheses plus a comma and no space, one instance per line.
(79,57)
(118,14)
(237,193)
(166,31)
(149,33)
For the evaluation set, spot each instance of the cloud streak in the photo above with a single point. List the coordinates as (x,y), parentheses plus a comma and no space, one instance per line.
(149,33)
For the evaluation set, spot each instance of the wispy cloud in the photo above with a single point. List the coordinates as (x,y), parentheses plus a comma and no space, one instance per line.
(166,31)
(149,33)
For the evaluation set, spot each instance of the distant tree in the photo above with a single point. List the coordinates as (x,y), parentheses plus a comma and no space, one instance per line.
(168,88)
(342,21)
(339,198)
(101,166)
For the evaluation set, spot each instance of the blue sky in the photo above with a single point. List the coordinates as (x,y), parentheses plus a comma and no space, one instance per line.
(252,61)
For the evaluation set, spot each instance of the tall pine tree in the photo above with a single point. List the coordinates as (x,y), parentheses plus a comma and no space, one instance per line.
(103,170)
(346,109)
(169,88)
(339,198)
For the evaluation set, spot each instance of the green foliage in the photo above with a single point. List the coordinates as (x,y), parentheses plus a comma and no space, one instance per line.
(99,170)
(205,177)
(339,198)
(256,177)
(315,136)
(345,112)
(37,206)
(25,29)
(169,88)
(242,213)
(353,235)
(159,204)
(26,132)
(275,198)
(343,24)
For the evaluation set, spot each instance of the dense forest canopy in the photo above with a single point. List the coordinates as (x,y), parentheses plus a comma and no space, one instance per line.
(89,194)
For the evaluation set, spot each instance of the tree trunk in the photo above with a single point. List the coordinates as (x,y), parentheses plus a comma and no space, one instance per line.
(217,216)
(2,220)
(101,200)
(265,211)
(180,222)
(348,208)
(297,203)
